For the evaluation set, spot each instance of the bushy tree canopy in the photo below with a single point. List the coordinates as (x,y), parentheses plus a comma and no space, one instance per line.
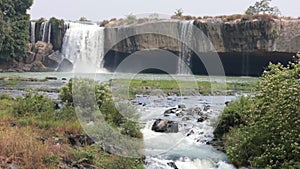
(264,131)
(263,7)
(14,29)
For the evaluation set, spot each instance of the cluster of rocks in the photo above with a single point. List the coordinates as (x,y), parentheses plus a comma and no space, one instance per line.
(176,117)
(40,57)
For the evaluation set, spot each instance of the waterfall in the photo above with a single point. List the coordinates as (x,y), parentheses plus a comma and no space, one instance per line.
(32,36)
(45,32)
(49,33)
(83,45)
(185,37)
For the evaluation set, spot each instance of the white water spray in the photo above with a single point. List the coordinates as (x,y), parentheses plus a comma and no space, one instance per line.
(185,35)
(83,45)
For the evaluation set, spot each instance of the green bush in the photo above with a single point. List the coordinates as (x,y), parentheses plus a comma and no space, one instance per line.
(232,116)
(6,97)
(89,97)
(270,137)
(37,105)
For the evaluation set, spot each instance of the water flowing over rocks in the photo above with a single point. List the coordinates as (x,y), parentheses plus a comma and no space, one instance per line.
(189,146)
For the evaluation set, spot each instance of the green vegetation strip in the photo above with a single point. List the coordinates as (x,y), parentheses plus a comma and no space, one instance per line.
(181,87)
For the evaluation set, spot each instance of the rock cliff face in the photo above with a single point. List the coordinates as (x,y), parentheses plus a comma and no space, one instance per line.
(241,36)
(244,47)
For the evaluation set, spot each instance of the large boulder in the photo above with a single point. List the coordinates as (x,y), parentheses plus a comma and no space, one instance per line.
(165,126)
(42,50)
(53,60)
(65,66)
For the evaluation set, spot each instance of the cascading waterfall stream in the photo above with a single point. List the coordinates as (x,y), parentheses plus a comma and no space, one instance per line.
(45,32)
(49,33)
(185,35)
(83,45)
(32,38)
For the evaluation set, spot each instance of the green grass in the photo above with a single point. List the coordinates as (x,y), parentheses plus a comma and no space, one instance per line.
(120,86)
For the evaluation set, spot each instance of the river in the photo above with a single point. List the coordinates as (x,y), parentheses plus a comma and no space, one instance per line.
(185,149)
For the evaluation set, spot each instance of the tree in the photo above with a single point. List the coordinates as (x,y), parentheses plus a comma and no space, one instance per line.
(83,19)
(14,29)
(262,7)
(179,12)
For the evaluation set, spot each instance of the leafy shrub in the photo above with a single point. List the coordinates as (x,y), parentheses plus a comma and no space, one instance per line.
(232,116)
(270,137)
(178,12)
(104,22)
(6,97)
(91,97)
(36,105)
(132,129)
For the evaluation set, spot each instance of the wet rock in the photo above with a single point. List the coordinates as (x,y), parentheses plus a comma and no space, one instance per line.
(63,78)
(190,133)
(194,111)
(172,164)
(51,78)
(170,111)
(165,126)
(53,60)
(227,103)
(202,118)
(206,108)
(179,114)
(181,106)
(65,66)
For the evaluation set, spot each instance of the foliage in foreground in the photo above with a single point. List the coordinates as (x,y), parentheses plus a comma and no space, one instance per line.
(264,130)
(87,94)
(33,131)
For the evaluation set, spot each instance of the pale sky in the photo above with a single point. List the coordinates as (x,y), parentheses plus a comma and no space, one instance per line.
(97,10)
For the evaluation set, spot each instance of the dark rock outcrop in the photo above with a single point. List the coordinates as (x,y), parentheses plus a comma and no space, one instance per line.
(165,126)
(65,66)
(80,140)
(245,47)
(53,60)
(172,165)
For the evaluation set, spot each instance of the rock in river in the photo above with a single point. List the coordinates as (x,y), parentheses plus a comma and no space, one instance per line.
(165,126)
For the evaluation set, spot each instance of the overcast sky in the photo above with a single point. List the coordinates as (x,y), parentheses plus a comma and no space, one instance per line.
(98,10)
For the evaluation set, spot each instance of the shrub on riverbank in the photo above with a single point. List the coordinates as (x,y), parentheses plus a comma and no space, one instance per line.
(269,136)
(86,94)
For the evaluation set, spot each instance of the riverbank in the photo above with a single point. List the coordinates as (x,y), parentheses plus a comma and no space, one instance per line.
(66,137)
